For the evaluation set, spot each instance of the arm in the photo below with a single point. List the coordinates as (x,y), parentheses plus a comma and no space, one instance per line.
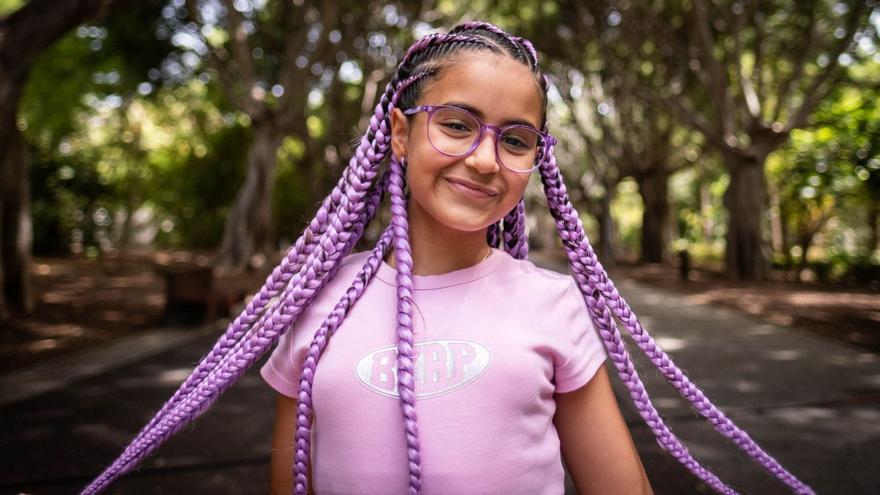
(596,444)
(283,448)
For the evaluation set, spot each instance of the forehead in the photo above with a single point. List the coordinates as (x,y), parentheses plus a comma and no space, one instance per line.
(499,87)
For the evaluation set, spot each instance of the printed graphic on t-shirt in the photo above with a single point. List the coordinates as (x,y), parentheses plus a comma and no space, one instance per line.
(441,366)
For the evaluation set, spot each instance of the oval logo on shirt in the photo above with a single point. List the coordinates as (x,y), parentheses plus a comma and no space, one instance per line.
(441,366)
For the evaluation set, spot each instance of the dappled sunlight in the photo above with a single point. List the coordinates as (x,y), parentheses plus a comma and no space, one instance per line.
(102,433)
(866,357)
(871,380)
(175,376)
(804,415)
(785,354)
(42,345)
(760,330)
(823,298)
(872,415)
(61,330)
(671,344)
(746,386)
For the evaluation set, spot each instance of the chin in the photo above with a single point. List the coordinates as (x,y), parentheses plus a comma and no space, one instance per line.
(467,221)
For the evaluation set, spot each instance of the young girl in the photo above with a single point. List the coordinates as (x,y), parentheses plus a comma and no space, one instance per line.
(448,362)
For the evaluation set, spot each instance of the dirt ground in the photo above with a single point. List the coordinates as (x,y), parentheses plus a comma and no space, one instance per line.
(848,314)
(82,303)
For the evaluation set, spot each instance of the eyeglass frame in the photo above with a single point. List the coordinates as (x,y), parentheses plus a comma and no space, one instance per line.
(546,139)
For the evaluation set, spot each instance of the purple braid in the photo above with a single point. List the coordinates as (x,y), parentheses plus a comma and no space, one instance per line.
(196,400)
(600,295)
(316,349)
(338,224)
(405,330)
(281,275)
(317,265)
(493,237)
(233,354)
(515,240)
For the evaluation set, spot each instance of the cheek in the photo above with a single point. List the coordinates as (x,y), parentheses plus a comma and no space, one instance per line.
(517,185)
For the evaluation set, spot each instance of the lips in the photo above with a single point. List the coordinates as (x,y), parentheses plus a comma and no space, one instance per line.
(471,187)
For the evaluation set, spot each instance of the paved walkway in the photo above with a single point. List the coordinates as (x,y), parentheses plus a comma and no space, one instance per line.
(812,403)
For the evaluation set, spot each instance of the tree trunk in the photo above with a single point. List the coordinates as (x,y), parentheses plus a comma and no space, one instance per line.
(247,233)
(656,220)
(15,223)
(606,229)
(706,209)
(805,241)
(874,228)
(24,35)
(745,200)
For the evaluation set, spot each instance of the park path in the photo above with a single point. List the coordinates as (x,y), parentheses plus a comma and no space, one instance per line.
(812,403)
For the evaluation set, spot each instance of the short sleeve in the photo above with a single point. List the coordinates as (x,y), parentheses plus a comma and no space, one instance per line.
(282,369)
(584,347)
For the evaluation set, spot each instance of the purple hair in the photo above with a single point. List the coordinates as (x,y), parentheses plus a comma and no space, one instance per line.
(338,224)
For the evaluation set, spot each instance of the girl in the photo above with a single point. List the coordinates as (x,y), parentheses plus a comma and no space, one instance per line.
(490,365)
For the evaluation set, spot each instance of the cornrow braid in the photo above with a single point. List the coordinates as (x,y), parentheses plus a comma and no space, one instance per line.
(514,44)
(600,295)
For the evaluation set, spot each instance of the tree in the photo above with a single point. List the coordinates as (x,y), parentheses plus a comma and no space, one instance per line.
(831,172)
(274,61)
(763,67)
(629,138)
(24,35)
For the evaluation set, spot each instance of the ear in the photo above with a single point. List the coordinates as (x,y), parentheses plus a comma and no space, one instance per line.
(399,133)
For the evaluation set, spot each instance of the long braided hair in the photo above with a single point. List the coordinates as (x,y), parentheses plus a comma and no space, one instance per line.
(337,226)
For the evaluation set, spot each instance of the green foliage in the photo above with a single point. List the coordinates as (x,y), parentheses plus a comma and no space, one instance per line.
(121,123)
(828,178)
(626,209)
(9,6)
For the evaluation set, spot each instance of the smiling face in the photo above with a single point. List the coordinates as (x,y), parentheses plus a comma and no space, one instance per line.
(467,193)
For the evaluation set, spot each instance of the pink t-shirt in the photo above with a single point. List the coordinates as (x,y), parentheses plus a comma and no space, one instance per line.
(494,342)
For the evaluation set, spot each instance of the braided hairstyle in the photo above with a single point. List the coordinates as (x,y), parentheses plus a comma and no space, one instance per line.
(331,235)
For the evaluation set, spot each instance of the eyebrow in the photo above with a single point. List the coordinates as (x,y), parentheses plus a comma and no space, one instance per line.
(479,114)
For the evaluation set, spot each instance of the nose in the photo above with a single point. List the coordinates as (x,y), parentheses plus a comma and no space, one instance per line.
(484,159)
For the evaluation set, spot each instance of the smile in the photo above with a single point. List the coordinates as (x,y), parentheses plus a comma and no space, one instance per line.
(471,189)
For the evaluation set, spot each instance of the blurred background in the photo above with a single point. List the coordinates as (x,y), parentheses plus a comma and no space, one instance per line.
(158,157)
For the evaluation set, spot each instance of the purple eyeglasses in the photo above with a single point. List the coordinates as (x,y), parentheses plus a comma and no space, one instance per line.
(454,131)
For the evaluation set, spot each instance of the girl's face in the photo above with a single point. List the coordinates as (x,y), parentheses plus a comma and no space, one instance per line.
(500,91)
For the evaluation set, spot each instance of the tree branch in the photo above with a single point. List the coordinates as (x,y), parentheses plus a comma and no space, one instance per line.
(241,57)
(799,61)
(817,90)
(715,79)
(749,96)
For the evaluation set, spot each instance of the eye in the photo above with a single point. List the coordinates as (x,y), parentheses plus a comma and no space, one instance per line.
(519,140)
(457,127)
(514,142)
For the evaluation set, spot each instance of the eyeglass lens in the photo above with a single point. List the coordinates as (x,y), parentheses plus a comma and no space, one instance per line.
(455,132)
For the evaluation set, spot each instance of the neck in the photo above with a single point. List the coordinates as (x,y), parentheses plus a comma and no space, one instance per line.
(437,249)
